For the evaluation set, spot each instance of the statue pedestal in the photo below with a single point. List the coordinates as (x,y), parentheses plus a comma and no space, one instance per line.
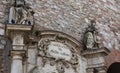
(18,27)
(95,60)
(19,35)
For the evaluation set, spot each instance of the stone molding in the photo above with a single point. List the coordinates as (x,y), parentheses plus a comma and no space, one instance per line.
(89,52)
(18,52)
(19,27)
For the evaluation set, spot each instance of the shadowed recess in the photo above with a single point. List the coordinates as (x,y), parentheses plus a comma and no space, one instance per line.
(114,68)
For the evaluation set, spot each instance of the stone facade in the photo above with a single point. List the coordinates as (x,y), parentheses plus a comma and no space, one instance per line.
(69,16)
(73,16)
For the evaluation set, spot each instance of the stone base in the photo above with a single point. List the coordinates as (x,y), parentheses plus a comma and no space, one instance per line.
(93,52)
(18,52)
(95,60)
(19,27)
(18,31)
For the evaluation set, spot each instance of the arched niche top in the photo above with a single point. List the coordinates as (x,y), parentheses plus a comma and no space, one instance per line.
(61,36)
(56,50)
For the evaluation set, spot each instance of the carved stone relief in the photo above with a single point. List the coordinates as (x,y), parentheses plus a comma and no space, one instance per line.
(56,53)
(58,61)
(90,37)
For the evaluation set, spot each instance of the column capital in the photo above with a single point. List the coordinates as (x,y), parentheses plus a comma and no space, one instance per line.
(21,53)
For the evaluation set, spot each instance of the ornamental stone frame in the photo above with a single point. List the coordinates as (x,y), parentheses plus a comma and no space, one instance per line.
(50,52)
(56,52)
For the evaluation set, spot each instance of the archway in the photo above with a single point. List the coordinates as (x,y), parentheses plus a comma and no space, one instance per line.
(114,68)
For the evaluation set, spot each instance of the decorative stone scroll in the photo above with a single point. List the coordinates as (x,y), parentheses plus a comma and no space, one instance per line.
(58,54)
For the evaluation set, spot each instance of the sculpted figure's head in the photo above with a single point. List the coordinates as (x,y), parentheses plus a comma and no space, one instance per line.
(91,28)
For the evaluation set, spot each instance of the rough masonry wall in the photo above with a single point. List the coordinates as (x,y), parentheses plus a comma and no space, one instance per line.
(3,13)
(73,16)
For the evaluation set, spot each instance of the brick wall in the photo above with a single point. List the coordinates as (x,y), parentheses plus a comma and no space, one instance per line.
(73,16)
(114,56)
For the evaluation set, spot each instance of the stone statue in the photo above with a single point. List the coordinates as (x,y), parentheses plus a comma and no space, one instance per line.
(90,39)
(21,13)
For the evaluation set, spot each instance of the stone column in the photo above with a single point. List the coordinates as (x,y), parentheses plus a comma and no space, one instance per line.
(18,40)
(32,57)
(19,36)
(17,53)
(17,58)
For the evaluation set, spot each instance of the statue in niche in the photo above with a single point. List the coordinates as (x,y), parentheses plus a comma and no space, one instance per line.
(90,37)
(21,13)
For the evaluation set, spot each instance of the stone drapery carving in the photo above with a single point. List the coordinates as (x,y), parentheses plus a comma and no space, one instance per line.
(90,37)
(60,64)
(21,13)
